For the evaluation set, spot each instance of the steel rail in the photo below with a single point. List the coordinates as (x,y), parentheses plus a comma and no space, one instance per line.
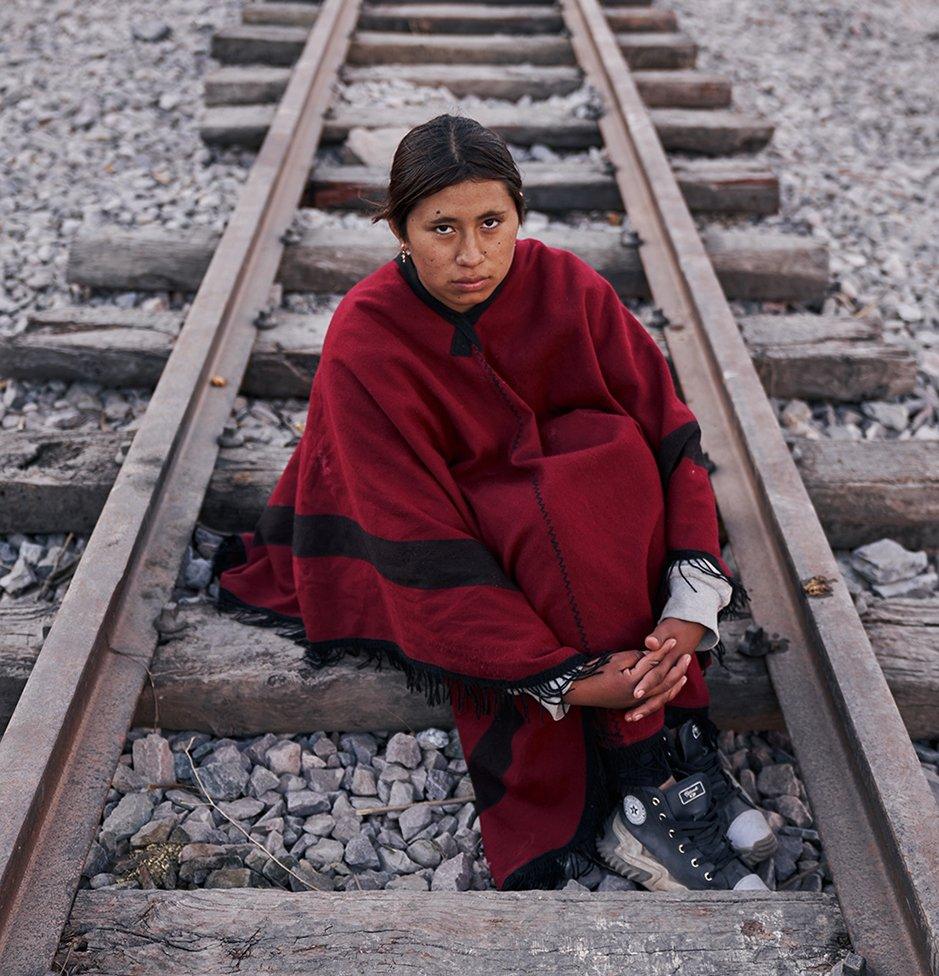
(876,815)
(60,749)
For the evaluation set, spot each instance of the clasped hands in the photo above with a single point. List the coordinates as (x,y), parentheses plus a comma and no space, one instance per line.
(644,680)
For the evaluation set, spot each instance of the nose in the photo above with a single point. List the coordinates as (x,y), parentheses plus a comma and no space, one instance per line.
(470,253)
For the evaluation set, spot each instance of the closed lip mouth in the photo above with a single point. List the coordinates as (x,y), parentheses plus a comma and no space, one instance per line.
(469,281)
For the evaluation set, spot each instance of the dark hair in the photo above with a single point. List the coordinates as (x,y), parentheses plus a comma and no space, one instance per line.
(446,150)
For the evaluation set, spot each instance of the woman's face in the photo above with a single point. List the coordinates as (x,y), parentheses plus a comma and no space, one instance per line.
(462,240)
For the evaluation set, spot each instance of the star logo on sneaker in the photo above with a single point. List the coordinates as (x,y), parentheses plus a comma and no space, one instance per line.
(695,732)
(690,793)
(635,810)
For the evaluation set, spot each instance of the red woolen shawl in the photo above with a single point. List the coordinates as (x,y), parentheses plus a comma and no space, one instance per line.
(483,502)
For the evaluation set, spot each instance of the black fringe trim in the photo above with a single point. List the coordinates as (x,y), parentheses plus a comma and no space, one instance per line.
(643,763)
(547,692)
(435,683)
(706,563)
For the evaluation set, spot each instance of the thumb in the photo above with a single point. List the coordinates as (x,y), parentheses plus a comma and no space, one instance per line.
(652,643)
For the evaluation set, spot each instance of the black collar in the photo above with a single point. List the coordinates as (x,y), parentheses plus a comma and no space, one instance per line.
(464,333)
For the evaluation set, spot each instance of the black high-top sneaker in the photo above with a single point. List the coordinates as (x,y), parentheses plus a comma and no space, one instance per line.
(672,840)
(694,751)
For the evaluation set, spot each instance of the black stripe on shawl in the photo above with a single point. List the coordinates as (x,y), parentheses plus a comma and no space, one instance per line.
(492,755)
(683,441)
(425,563)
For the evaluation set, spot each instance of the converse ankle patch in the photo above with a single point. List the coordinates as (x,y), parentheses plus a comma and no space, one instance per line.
(634,809)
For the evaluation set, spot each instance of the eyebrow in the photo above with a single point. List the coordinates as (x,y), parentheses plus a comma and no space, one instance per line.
(453,220)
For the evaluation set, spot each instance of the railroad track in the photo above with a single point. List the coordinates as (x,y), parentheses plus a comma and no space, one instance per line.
(84,689)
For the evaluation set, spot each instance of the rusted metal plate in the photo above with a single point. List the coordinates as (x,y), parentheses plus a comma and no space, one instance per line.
(877,817)
(60,748)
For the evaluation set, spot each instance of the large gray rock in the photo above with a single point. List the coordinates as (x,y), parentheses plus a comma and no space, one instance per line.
(303,803)
(153,760)
(224,780)
(97,861)
(229,878)
(406,882)
(245,808)
(131,813)
(396,861)
(257,751)
(346,828)
(284,758)
(886,561)
(262,781)
(125,780)
(362,744)
(306,878)
(154,832)
(794,810)
(453,875)
(325,780)
(199,826)
(319,824)
(404,750)
(777,780)
(439,784)
(413,820)
(360,853)
(433,739)
(891,415)
(324,853)
(401,793)
(425,853)
(363,782)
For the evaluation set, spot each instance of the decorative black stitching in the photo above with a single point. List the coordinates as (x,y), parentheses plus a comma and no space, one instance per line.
(536,488)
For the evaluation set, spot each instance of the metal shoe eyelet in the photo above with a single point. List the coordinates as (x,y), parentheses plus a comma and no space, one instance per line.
(662,816)
(671,832)
(708,876)
(655,801)
(695,862)
(681,848)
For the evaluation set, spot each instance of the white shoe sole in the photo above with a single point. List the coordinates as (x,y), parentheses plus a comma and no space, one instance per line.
(626,855)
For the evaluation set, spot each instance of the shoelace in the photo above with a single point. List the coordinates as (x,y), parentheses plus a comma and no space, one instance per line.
(706,833)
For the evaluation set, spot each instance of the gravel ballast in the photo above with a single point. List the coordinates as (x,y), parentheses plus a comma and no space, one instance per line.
(186,811)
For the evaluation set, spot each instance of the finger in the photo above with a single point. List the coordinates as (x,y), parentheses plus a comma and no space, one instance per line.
(626,659)
(659,655)
(659,695)
(656,677)
(651,705)
(652,642)
(674,692)
(641,667)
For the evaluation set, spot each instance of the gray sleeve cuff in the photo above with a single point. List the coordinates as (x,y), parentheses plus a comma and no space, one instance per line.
(698,598)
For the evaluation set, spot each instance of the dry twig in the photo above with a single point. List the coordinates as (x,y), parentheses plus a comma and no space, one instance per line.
(399,807)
